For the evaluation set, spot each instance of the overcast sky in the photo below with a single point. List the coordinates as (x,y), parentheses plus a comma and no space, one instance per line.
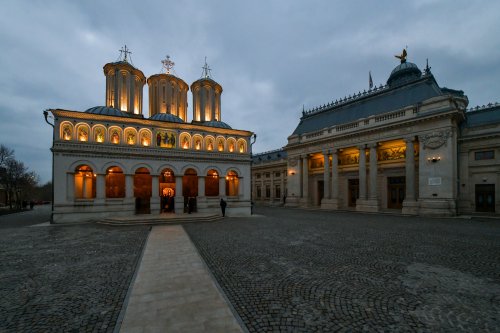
(271,57)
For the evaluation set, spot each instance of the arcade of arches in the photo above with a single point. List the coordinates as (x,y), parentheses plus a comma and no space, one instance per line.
(117,185)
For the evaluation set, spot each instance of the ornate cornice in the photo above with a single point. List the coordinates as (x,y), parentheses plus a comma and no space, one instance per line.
(103,150)
(59,113)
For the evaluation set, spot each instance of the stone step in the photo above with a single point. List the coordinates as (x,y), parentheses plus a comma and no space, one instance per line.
(158,220)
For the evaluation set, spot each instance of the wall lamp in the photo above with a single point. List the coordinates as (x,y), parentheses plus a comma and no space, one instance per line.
(434,159)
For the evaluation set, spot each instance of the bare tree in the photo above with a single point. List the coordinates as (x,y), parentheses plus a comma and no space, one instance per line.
(15,177)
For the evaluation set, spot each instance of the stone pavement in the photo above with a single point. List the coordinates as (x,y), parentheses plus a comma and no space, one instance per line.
(173,290)
(317,271)
(66,279)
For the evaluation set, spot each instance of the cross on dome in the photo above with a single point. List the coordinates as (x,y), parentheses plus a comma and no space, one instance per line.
(124,52)
(167,64)
(206,70)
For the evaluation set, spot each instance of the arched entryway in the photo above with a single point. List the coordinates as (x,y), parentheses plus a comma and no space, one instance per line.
(232,184)
(212,183)
(167,191)
(190,189)
(115,183)
(142,191)
(85,181)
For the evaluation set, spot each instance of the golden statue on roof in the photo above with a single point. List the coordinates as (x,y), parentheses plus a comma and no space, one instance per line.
(402,56)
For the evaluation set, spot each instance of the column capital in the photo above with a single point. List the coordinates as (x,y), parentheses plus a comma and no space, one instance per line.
(372,145)
(409,139)
(363,146)
(334,151)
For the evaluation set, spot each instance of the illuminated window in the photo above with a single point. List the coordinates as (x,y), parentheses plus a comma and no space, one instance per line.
(212,183)
(115,136)
(145,139)
(83,133)
(85,181)
(99,135)
(66,132)
(115,183)
(232,183)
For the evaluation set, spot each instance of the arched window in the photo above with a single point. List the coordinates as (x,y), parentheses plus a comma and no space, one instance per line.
(83,133)
(212,183)
(242,146)
(66,131)
(145,137)
(190,183)
(84,182)
(99,133)
(231,145)
(115,183)
(232,183)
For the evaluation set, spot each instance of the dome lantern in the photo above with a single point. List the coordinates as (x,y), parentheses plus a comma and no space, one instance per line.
(124,84)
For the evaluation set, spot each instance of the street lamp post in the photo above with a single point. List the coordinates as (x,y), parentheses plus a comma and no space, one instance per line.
(254,138)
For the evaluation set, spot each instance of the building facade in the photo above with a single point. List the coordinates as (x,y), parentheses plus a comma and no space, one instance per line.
(112,161)
(409,146)
(269,178)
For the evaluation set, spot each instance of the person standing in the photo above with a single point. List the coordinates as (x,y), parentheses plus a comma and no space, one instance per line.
(223,205)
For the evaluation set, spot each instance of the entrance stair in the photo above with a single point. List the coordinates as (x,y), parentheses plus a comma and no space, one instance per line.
(157,219)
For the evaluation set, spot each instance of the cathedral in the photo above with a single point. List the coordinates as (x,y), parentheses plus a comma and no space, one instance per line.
(409,147)
(112,160)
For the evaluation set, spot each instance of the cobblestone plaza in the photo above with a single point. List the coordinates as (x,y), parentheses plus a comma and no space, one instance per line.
(282,270)
(312,271)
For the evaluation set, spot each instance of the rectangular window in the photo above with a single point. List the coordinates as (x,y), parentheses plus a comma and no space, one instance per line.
(277,191)
(484,155)
(268,191)
(257,175)
(268,174)
(277,174)
(259,192)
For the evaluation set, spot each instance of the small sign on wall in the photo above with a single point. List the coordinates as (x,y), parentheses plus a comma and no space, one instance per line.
(434,181)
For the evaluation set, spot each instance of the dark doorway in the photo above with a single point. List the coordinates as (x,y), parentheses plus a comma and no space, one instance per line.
(190,190)
(142,191)
(485,198)
(396,188)
(353,192)
(321,191)
(167,191)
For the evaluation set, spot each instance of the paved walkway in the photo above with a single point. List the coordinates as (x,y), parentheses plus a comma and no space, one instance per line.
(173,290)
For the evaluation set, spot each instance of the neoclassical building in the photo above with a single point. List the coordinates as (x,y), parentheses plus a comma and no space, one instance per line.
(113,161)
(409,146)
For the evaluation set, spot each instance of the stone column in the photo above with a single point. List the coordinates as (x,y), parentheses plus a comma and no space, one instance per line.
(271,196)
(305,181)
(129,188)
(201,200)
(335,174)
(100,186)
(222,186)
(154,202)
(179,199)
(410,170)
(373,172)
(70,180)
(370,204)
(362,173)
(410,205)
(201,186)
(282,185)
(326,175)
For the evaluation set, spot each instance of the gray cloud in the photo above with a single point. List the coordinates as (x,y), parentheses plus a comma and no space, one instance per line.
(271,57)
